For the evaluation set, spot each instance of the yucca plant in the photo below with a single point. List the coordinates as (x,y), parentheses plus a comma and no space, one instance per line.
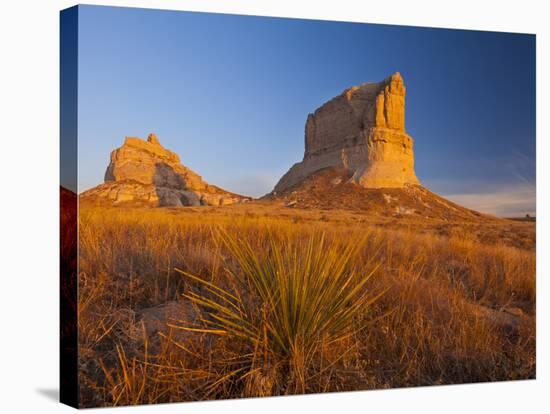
(287,301)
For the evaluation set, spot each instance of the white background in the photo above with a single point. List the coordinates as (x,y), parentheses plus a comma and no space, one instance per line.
(29,156)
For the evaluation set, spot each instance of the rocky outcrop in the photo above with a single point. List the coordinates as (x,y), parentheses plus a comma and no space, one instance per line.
(145,173)
(362,131)
(333,189)
(148,162)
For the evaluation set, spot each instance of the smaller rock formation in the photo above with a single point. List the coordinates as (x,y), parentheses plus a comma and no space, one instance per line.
(153,139)
(362,131)
(146,173)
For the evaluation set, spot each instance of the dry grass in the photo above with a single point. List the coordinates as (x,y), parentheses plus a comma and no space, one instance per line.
(440,321)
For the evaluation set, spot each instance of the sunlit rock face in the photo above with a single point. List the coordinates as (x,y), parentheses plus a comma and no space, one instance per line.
(145,173)
(363,131)
(148,162)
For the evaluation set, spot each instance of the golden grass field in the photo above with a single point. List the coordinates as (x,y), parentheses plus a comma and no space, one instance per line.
(275,301)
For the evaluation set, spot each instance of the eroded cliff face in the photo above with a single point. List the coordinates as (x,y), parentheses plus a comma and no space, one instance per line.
(363,131)
(148,162)
(145,173)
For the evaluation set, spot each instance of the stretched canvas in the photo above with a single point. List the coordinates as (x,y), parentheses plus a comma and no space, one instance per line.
(256,206)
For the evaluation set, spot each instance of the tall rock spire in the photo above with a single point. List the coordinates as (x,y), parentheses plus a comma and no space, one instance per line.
(363,131)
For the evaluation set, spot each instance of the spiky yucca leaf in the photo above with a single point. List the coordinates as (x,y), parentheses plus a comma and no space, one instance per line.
(296,294)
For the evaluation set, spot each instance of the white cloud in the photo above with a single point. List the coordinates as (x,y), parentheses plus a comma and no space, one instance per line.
(511,201)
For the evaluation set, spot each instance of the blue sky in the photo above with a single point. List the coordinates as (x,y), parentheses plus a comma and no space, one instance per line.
(230,94)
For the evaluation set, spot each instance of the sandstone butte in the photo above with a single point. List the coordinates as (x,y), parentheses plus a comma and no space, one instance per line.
(357,155)
(145,173)
(363,132)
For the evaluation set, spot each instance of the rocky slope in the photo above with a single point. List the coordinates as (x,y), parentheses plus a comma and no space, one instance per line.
(361,131)
(335,189)
(145,173)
